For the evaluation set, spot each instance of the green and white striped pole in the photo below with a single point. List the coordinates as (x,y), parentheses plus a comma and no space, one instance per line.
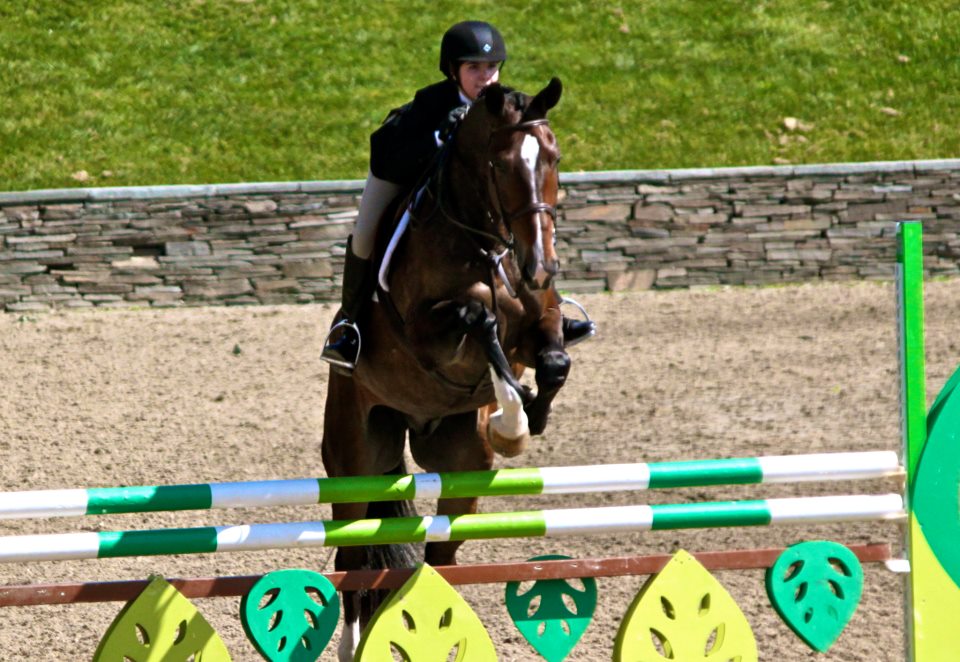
(502,482)
(540,523)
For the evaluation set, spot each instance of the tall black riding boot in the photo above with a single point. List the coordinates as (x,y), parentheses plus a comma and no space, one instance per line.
(575,331)
(343,343)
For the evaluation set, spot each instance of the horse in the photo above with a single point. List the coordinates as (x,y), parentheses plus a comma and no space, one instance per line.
(465,303)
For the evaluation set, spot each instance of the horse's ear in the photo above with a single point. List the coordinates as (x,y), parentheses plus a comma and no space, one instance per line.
(494,98)
(546,99)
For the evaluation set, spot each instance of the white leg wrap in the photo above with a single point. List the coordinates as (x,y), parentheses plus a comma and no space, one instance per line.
(510,421)
(395,240)
(349,640)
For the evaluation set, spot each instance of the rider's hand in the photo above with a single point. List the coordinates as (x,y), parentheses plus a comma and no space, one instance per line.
(449,125)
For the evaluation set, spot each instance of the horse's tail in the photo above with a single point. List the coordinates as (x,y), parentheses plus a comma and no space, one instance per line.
(390,556)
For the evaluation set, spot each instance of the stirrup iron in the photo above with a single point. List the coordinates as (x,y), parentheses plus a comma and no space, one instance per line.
(578,306)
(342,324)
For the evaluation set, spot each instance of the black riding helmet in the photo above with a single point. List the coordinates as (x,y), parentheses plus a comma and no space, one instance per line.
(471,41)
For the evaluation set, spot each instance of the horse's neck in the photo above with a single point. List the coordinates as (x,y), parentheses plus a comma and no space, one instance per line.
(465,196)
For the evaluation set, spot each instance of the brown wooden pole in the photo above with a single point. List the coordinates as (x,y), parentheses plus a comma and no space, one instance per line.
(486,573)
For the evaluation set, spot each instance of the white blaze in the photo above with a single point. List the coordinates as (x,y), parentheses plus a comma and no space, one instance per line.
(529,153)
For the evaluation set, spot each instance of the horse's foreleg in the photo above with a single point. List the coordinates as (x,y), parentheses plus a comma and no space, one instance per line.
(508,429)
(455,445)
(481,325)
(344,454)
(552,366)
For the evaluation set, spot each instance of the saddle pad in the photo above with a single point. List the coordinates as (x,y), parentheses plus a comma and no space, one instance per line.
(395,240)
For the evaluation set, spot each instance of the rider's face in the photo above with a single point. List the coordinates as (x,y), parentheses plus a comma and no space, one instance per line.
(474,76)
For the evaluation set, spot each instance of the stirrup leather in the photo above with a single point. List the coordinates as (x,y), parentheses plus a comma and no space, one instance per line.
(342,324)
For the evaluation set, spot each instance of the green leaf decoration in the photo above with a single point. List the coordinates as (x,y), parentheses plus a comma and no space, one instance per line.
(934,495)
(683,613)
(425,620)
(544,618)
(160,626)
(815,587)
(290,615)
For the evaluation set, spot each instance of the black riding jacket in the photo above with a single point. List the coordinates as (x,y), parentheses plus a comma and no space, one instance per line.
(401,149)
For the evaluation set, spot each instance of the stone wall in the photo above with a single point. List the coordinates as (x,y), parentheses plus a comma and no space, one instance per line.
(283,243)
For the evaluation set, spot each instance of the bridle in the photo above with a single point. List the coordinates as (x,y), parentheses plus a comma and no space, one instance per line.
(535,206)
(508,242)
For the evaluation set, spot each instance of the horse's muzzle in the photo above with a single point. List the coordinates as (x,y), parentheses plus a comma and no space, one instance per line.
(538,273)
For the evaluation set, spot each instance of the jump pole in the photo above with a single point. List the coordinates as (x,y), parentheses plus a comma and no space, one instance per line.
(502,482)
(522,524)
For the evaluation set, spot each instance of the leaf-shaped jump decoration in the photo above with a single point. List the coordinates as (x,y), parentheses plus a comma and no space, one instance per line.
(160,626)
(552,629)
(683,613)
(815,586)
(290,615)
(425,620)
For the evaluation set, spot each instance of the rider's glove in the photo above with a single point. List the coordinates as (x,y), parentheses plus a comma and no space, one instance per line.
(449,125)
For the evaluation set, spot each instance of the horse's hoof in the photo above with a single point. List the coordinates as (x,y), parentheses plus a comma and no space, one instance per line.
(506,447)
(538,421)
(527,396)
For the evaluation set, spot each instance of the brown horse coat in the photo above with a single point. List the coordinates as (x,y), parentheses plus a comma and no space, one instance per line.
(444,346)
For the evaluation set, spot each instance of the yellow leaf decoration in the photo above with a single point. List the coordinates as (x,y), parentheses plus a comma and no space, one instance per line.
(683,613)
(425,620)
(160,626)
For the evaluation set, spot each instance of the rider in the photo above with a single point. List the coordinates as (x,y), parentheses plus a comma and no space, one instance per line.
(471,56)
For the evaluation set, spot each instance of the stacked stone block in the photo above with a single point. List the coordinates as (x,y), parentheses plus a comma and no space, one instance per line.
(172,246)
(284,243)
(753,226)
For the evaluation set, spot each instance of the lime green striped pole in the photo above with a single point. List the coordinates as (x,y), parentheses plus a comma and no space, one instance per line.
(581,521)
(502,482)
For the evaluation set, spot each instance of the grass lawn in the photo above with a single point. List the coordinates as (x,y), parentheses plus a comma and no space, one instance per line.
(205,91)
